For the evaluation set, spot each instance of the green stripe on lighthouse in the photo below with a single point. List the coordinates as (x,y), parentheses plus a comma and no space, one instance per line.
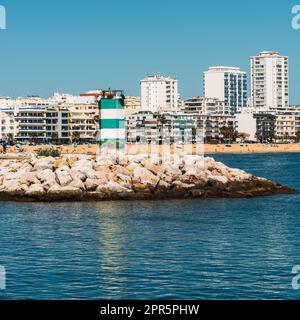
(112,124)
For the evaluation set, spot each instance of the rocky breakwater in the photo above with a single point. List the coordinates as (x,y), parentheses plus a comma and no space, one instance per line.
(82,178)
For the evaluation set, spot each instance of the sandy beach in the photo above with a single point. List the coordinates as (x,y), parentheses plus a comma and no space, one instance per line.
(207,149)
(252,148)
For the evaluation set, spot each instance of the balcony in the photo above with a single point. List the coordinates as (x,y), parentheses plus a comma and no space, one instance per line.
(24,123)
(31,130)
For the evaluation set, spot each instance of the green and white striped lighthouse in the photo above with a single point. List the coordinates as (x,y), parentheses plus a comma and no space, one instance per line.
(112,121)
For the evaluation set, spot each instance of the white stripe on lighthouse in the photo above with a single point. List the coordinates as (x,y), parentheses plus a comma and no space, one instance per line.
(112,134)
(112,114)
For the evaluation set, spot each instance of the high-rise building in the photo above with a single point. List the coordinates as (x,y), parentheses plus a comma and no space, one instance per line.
(226,84)
(269,81)
(159,93)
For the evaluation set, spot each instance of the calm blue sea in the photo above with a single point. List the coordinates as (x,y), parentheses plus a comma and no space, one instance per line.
(191,249)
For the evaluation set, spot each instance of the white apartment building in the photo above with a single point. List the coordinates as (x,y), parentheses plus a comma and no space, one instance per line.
(226,84)
(202,105)
(132,105)
(159,93)
(150,128)
(7,124)
(83,121)
(62,117)
(65,98)
(285,126)
(42,124)
(269,81)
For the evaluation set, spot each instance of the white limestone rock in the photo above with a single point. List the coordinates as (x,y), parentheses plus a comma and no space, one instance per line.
(63,177)
(78,184)
(44,163)
(35,190)
(45,175)
(111,188)
(29,178)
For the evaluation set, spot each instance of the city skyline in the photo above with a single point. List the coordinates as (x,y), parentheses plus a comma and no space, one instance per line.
(57,52)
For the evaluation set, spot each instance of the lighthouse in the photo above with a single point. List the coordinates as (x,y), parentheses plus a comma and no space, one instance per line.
(112,122)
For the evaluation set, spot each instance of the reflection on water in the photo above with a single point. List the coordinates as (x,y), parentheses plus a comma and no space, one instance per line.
(223,249)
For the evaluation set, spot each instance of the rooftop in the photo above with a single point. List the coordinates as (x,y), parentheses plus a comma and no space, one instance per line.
(225,69)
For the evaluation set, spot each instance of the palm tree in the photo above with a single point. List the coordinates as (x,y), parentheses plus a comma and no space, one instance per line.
(194,135)
(259,136)
(10,137)
(55,137)
(34,137)
(298,136)
(229,133)
(161,121)
(76,136)
(96,119)
(271,135)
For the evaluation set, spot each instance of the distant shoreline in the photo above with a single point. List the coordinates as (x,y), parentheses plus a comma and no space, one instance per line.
(252,148)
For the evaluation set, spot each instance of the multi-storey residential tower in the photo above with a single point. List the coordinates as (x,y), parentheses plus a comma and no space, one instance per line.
(159,93)
(226,84)
(269,81)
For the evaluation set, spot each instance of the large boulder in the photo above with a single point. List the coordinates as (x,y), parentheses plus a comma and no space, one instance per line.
(121,170)
(44,163)
(77,175)
(82,172)
(173,171)
(45,175)
(49,184)
(83,163)
(57,192)
(54,189)
(16,172)
(92,184)
(162,188)
(63,177)
(102,168)
(13,176)
(123,180)
(29,178)
(180,186)
(111,189)
(156,169)
(35,190)
(12,187)
(78,184)
(144,180)
(239,175)
(221,179)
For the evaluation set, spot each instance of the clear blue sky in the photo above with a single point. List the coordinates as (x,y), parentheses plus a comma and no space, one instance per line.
(75,45)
